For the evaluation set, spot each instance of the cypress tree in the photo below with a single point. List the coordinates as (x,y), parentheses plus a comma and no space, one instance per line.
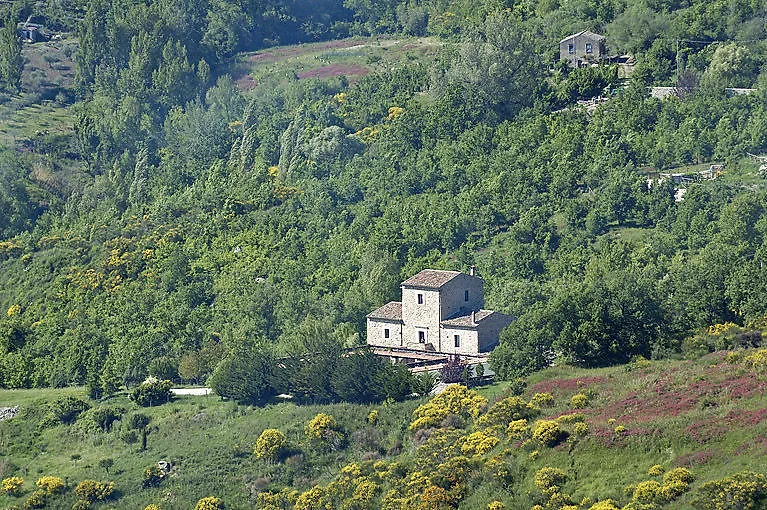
(11,63)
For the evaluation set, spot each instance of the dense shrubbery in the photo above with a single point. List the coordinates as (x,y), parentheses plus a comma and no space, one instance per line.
(548,433)
(151,393)
(64,410)
(509,409)
(745,489)
(455,400)
(324,433)
(209,503)
(153,476)
(269,444)
(51,484)
(13,485)
(93,491)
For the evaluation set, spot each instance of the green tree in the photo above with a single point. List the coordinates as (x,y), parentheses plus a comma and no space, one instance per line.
(245,376)
(731,66)
(11,61)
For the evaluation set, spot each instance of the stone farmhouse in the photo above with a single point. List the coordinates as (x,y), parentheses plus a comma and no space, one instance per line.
(440,311)
(582,48)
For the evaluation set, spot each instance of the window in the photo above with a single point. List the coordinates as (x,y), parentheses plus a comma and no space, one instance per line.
(588,47)
(420,299)
(386,333)
(422,337)
(466,295)
(570,49)
(457,339)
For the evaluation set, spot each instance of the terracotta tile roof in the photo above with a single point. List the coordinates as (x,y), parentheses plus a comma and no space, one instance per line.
(464,320)
(431,278)
(390,311)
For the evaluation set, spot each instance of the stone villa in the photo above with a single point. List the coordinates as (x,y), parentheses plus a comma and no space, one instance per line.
(440,311)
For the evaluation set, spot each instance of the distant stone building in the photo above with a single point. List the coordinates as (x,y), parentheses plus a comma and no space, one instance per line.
(31,32)
(440,311)
(582,48)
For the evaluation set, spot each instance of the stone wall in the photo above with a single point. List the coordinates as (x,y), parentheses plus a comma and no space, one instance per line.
(453,295)
(469,340)
(420,317)
(376,329)
(490,330)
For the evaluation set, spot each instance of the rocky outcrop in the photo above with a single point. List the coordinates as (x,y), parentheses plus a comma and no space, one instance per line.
(6,413)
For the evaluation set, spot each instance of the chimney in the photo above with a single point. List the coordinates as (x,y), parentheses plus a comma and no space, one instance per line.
(472,270)
(473,317)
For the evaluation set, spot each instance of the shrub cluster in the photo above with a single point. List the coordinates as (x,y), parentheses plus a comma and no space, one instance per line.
(651,492)
(518,429)
(478,443)
(153,476)
(270,443)
(456,399)
(542,400)
(757,360)
(151,392)
(549,480)
(746,489)
(209,503)
(13,485)
(63,410)
(579,401)
(92,491)
(38,499)
(51,484)
(581,429)
(507,410)
(548,433)
(607,504)
(323,431)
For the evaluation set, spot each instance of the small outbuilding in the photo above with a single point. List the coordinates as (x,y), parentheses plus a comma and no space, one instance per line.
(31,32)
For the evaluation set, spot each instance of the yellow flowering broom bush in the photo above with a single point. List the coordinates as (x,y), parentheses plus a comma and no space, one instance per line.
(507,410)
(269,444)
(548,433)
(209,503)
(51,484)
(456,399)
(13,485)
(747,488)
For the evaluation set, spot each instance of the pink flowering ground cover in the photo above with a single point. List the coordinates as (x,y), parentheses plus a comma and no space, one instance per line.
(688,403)
(561,386)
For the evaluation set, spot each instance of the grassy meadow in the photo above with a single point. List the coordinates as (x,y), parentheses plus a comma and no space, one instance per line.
(707,415)
(352,58)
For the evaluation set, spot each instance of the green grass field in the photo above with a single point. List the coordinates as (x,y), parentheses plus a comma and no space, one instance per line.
(708,415)
(353,58)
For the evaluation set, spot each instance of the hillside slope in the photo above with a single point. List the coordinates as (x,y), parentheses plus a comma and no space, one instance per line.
(707,415)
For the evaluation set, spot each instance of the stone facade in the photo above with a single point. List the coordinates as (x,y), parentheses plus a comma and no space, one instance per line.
(440,311)
(582,48)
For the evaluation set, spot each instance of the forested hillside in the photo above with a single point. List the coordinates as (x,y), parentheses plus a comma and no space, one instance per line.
(177,219)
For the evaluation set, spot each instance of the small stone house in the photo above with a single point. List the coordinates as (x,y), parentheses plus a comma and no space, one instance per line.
(440,311)
(582,48)
(30,32)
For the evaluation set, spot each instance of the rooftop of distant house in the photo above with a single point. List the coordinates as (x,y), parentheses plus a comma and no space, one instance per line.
(430,278)
(468,319)
(390,311)
(586,33)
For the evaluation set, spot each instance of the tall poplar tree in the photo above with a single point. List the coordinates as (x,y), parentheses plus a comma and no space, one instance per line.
(11,63)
